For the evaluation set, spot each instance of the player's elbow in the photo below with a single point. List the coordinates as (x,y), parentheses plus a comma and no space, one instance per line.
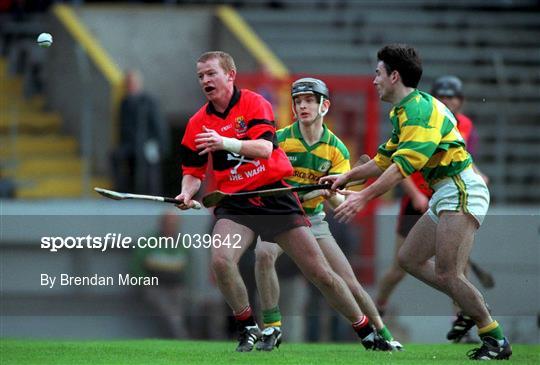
(267,153)
(266,149)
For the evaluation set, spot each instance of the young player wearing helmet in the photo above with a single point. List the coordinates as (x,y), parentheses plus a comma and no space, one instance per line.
(314,152)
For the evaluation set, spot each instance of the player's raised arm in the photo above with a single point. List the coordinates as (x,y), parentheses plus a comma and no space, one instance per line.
(209,141)
(258,148)
(365,171)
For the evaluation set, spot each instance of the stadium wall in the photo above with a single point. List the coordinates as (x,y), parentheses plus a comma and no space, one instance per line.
(507,245)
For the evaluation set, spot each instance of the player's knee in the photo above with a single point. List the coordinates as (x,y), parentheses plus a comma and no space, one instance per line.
(221,264)
(321,277)
(265,258)
(404,261)
(397,273)
(357,290)
(445,275)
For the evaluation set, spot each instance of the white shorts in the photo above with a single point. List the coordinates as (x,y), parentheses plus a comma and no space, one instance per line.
(319,227)
(466,192)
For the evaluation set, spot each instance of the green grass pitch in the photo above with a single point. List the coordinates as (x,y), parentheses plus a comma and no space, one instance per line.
(156,352)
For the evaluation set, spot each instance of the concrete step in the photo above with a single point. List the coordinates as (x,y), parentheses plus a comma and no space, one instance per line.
(45,167)
(29,121)
(11,86)
(26,146)
(59,187)
(17,102)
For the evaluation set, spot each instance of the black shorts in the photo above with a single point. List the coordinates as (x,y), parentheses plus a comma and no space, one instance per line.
(266,216)
(408,216)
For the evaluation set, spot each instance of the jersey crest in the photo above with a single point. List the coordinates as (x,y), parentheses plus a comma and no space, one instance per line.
(240,126)
(325,166)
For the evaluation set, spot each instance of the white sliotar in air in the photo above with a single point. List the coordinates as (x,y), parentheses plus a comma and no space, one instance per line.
(45,40)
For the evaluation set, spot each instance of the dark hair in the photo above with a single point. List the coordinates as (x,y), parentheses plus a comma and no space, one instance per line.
(403,59)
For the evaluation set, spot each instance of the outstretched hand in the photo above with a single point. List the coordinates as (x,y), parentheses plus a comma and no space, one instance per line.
(354,202)
(208,141)
(335,180)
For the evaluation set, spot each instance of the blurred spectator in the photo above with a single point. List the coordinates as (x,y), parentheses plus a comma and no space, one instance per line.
(449,90)
(143,141)
(267,86)
(169,266)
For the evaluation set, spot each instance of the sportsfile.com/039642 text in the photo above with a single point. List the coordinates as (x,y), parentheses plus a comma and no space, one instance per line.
(119,240)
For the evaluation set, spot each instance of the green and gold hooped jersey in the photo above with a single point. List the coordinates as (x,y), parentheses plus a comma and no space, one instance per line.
(424,138)
(326,157)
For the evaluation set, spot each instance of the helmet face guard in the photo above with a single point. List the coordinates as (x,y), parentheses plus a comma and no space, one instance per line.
(307,86)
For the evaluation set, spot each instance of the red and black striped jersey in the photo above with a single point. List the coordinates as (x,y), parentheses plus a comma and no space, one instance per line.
(248,117)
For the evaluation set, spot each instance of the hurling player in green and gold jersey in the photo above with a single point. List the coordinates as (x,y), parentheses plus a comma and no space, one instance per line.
(314,152)
(425,138)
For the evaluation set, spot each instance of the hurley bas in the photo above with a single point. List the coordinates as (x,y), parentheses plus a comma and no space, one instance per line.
(97,280)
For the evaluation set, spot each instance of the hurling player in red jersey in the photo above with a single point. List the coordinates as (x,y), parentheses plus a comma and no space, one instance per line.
(414,202)
(237,128)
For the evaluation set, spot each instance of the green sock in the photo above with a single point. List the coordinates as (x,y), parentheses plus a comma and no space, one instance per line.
(496,332)
(385,333)
(272,317)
